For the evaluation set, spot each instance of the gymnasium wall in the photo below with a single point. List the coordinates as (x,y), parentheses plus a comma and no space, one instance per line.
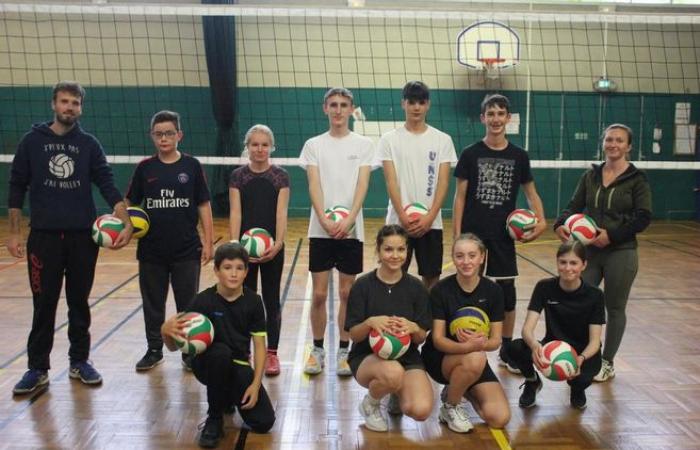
(134,67)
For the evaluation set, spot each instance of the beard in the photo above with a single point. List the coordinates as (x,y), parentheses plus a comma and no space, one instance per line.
(66,120)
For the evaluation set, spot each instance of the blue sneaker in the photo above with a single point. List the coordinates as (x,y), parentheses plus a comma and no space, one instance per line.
(32,379)
(85,372)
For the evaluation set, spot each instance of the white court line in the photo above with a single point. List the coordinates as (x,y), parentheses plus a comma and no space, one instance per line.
(291,416)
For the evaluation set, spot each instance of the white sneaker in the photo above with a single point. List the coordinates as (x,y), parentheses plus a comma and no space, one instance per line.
(607,371)
(456,418)
(374,420)
(315,362)
(393,406)
(342,367)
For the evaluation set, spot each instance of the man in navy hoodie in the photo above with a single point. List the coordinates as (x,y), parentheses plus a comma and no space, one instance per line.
(57,162)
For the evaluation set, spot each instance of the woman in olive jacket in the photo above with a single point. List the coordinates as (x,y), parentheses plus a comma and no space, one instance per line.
(618,197)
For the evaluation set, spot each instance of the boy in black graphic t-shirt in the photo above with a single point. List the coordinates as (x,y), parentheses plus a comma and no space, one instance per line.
(489,174)
(171,187)
(238,316)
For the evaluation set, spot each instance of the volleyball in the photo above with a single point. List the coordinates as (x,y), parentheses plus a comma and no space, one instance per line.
(582,228)
(257,241)
(139,220)
(518,221)
(337,213)
(387,345)
(61,166)
(415,210)
(561,361)
(199,333)
(106,229)
(470,318)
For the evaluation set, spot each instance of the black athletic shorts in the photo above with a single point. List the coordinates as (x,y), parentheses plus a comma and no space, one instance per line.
(411,360)
(343,254)
(500,258)
(432,358)
(428,250)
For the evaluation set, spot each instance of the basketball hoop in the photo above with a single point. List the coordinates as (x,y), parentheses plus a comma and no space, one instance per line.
(490,67)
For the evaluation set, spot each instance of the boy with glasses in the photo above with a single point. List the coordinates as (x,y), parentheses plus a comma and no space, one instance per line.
(172,188)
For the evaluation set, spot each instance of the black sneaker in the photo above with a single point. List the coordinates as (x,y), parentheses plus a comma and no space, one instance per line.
(578,399)
(212,432)
(151,359)
(529,395)
(31,380)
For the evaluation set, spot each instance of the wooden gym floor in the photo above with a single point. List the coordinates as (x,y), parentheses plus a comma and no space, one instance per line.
(653,403)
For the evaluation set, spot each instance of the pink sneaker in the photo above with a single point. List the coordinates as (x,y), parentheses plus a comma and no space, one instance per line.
(272,365)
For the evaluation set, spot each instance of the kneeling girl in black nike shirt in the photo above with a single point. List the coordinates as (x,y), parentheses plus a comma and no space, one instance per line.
(574,313)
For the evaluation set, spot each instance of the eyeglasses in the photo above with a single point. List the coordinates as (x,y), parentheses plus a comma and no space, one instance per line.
(161,134)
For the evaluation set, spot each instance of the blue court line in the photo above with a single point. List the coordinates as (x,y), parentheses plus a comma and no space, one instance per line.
(536,264)
(288,283)
(35,396)
(673,248)
(65,323)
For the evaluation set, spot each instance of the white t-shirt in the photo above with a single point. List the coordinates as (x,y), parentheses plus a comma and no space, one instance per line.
(417,159)
(338,161)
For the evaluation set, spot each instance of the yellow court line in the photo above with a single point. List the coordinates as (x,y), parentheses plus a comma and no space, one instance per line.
(501,439)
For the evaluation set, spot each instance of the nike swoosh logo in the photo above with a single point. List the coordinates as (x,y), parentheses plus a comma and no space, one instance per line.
(151,180)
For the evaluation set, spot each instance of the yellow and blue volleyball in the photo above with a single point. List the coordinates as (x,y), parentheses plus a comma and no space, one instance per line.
(257,241)
(199,333)
(139,220)
(470,318)
(387,345)
(561,361)
(106,229)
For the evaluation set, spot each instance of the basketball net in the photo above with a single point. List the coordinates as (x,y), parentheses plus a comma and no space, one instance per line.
(491,72)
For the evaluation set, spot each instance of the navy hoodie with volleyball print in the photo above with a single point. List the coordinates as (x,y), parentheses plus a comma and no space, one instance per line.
(58,171)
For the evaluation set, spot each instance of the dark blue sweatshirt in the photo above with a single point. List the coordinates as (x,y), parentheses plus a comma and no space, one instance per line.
(59,171)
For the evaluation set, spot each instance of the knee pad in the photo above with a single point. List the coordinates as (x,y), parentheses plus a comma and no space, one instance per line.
(508,287)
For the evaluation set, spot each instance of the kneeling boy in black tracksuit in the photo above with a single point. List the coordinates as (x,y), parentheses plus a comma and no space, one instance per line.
(237,314)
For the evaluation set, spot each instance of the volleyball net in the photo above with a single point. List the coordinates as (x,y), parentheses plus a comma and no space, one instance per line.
(225,68)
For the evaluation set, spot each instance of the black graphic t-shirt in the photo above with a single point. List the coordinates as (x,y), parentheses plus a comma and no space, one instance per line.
(171,195)
(259,192)
(493,181)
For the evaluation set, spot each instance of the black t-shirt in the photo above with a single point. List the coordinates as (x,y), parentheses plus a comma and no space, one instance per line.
(234,322)
(259,192)
(493,181)
(447,296)
(370,297)
(568,314)
(171,195)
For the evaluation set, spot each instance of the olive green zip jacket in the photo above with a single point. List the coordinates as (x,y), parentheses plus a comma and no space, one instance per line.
(623,208)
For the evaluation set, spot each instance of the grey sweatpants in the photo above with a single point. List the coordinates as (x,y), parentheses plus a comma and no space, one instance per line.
(618,267)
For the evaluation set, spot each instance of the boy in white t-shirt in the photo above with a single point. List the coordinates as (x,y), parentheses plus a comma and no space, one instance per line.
(337,165)
(416,159)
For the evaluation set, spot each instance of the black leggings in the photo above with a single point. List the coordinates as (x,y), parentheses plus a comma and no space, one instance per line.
(521,355)
(226,382)
(51,255)
(271,274)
